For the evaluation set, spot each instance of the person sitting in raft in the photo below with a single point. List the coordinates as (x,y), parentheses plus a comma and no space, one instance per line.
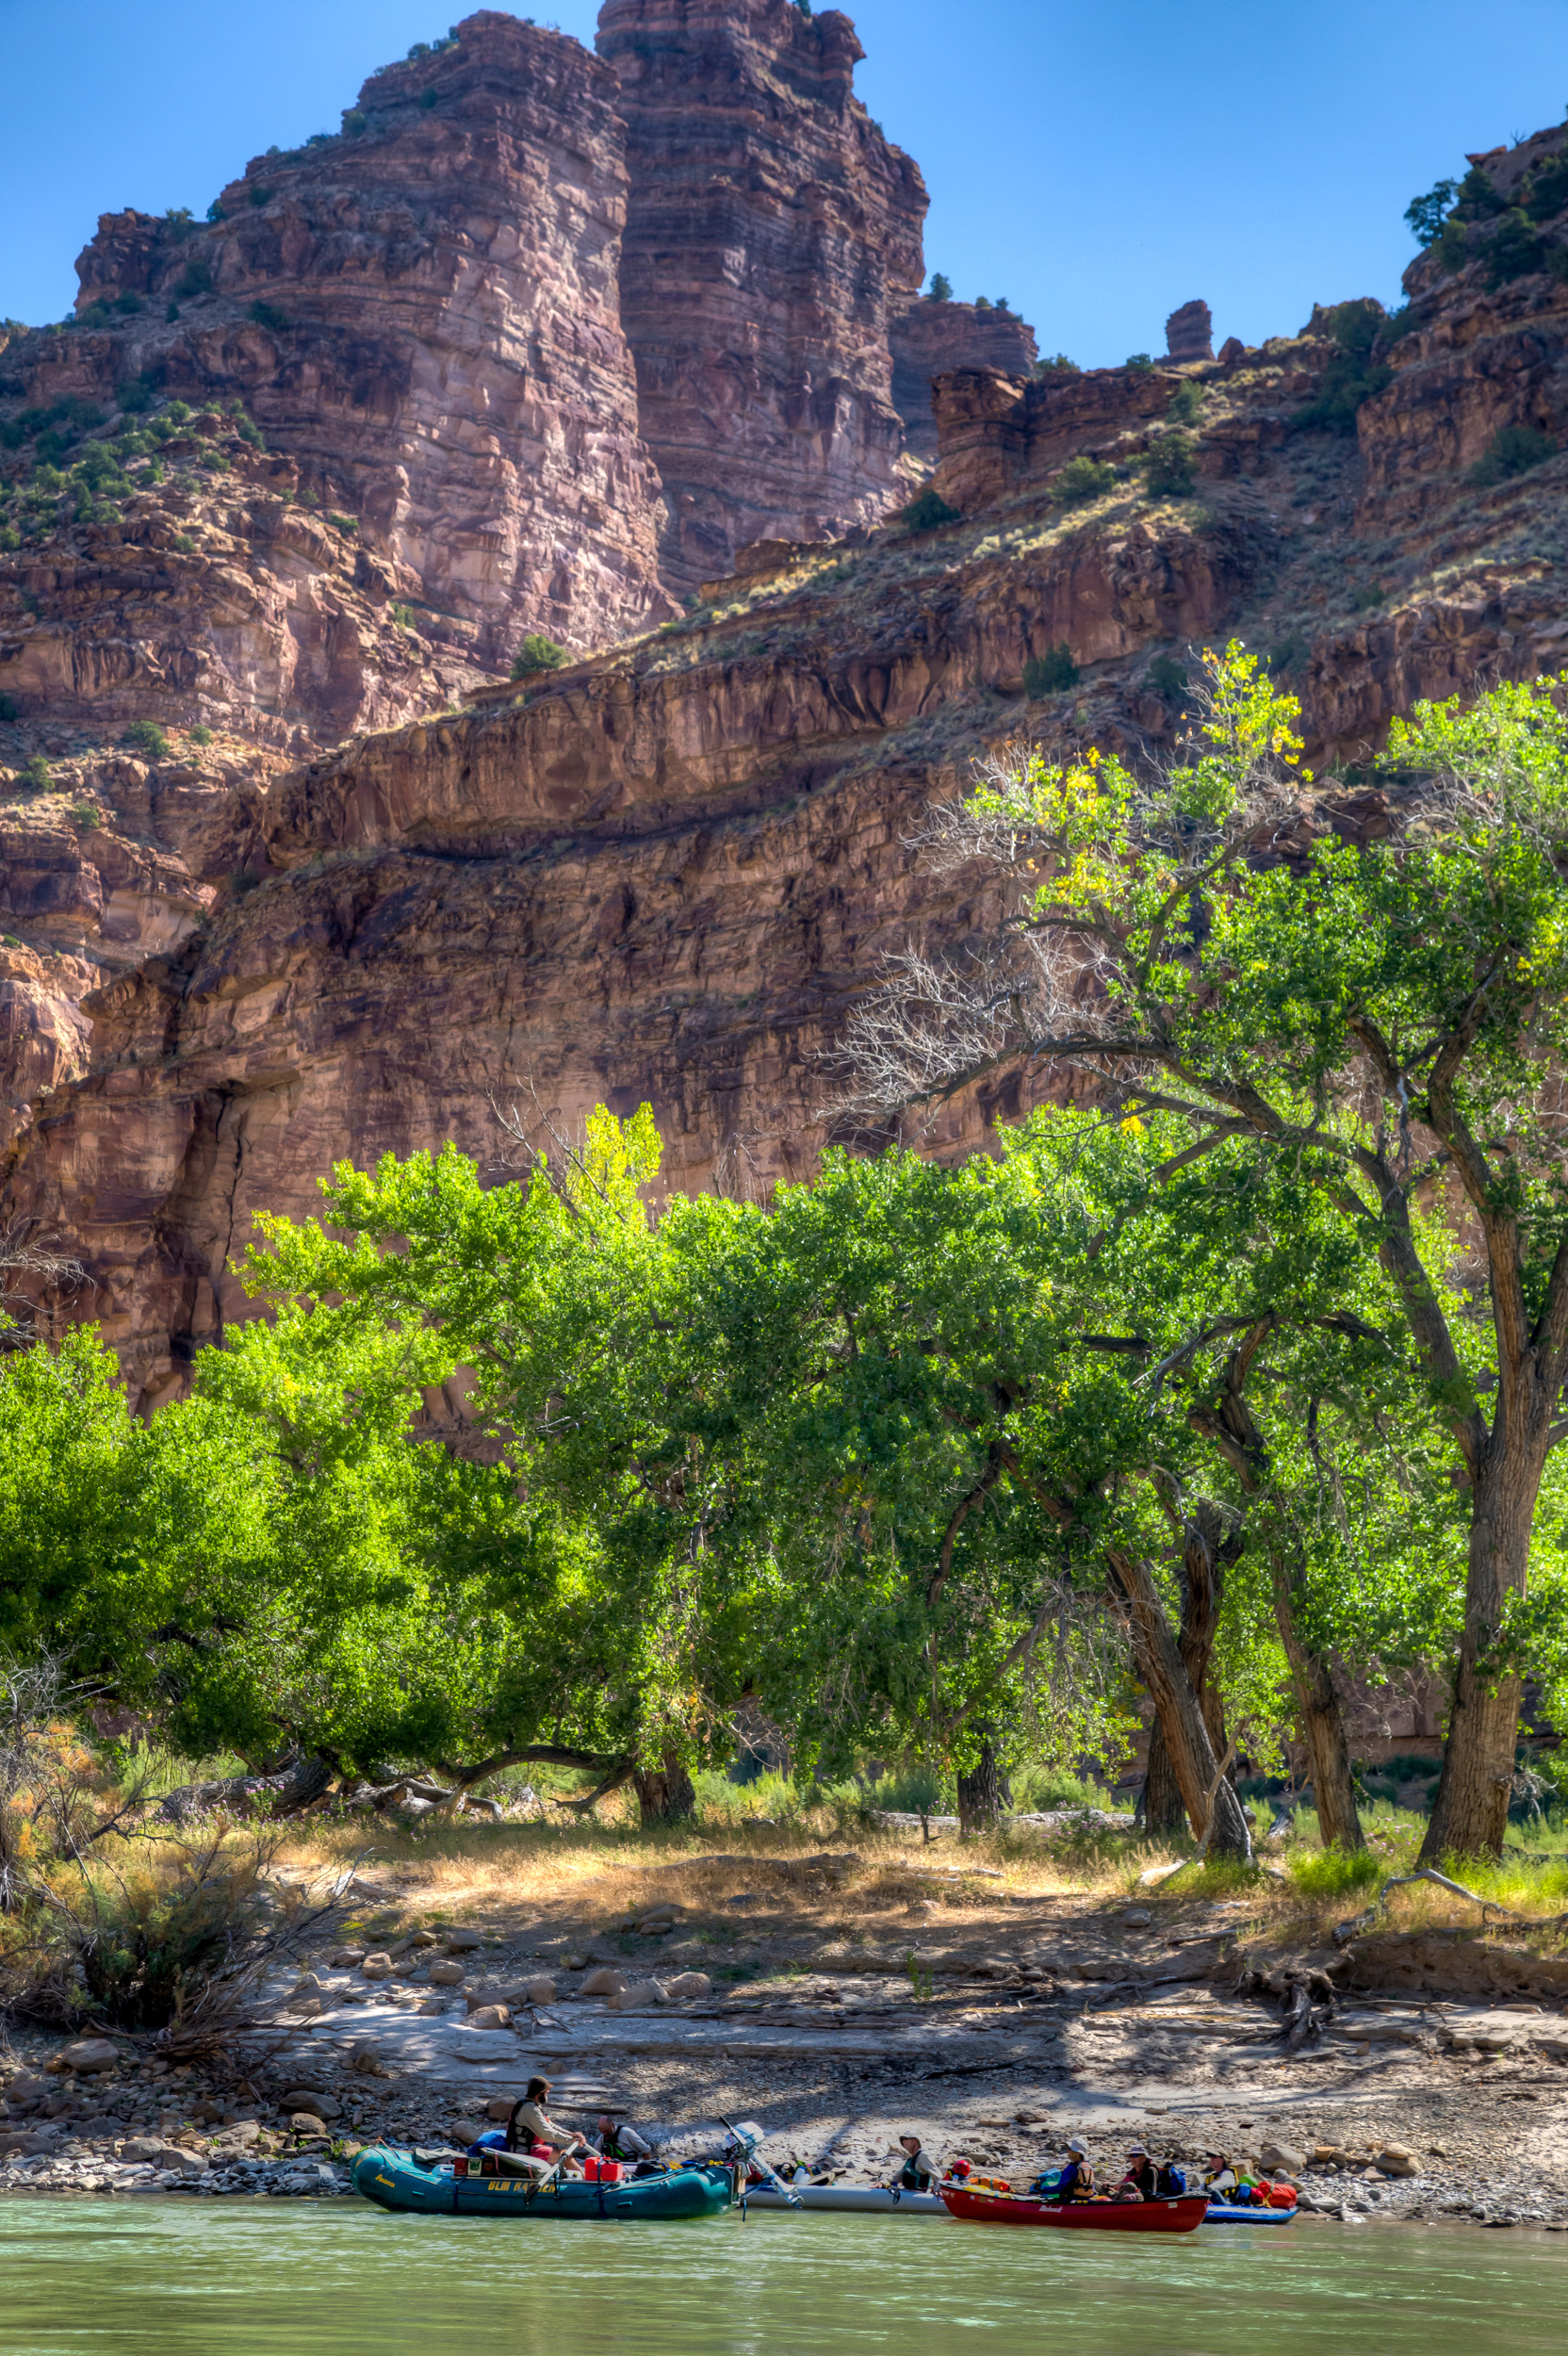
(1140,2178)
(917,2173)
(622,2142)
(1219,2178)
(1076,2178)
(532,2131)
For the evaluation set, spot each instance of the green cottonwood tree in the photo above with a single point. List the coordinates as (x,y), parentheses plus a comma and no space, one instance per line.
(1376,991)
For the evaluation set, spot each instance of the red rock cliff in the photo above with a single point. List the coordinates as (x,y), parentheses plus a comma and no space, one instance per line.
(425,314)
(931,339)
(771,229)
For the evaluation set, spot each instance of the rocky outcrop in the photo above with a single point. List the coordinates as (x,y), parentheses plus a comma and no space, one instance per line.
(772,229)
(931,339)
(1190,333)
(424,313)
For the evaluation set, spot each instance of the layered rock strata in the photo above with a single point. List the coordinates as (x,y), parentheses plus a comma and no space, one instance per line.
(666,873)
(425,313)
(772,229)
(1190,333)
(930,339)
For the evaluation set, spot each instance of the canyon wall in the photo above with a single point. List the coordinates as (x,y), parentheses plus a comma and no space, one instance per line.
(930,339)
(666,871)
(772,229)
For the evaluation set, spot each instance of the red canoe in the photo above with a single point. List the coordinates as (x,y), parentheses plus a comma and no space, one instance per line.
(1107,2216)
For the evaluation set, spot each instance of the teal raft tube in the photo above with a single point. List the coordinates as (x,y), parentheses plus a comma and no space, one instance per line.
(398,2180)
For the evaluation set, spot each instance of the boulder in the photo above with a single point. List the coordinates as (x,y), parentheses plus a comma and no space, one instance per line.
(307,2123)
(466,2130)
(538,1991)
(604,1982)
(365,2062)
(636,1996)
(490,2017)
(306,2098)
(309,1985)
(447,1975)
(498,2106)
(175,2155)
(1396,2159)
(238,2138)
(687,1986)
(26,2090)
(308,2008)
(377,1966)
(346,1958)
(1286,2155)
(90,2054)
(463,1942)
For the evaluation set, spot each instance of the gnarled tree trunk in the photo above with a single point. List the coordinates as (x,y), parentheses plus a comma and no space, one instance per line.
(1469,1817)
(1204,1788)
(665,1794)
(1162,1812)
(982,1794)
(1204,1554)
(1322,1723)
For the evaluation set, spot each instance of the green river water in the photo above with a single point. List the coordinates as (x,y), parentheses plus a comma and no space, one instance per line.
(100,2278)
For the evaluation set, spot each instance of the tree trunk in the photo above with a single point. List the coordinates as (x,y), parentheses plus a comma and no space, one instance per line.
(982,1794)
(1322,1723)
(1162,1812)
(664,1795)
(1470,1816)
(1192,1758)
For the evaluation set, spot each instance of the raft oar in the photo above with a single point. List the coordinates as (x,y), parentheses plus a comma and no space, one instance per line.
(772,2174)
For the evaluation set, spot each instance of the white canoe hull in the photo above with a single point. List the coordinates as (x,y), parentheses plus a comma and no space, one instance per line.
(849,2197)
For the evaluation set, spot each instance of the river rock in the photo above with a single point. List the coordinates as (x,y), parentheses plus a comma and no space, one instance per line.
(1396,2159)
(26,2090)
(463,1942)
(539,1991)
(687,1986)
(175,2155)
(90,2054)
(1286,2155)
(498,2106)
(302,2099)
(377,1966)
(636,1996)
(238,2138)
(447,1975)
(604,1982)
(466,2130)
(490,2017)
(346,1958)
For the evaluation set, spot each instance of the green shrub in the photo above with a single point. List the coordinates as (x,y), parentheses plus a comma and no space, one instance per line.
(195,279)
(184,542)
(1059,365)
(982,302)
(403,618)
(1478,199)
(135,396)
(346,523)
(1514,449)
(1453,247)
(216,212)
(537,653)
(1168,470)
(1546,191)
(927,510)
(1140,361)
(85,816)
(1427,214)
(10,708)
(201,734)
(1515,249)
(145,736)
(427,98)
(354,121)
(1352,375)
(35,775)
(267,315)
(1186,402)
(249,432)
(1051,673)
(1166,677)
(1082,478)
(941,289)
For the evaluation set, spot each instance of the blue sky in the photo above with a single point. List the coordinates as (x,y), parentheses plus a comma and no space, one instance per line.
(1096,161)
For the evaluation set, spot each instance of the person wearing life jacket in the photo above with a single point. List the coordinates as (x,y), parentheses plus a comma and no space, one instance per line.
(1075,2180)
(1140,2174)
(918,2174)
(1219,2178)
(622,2141)
(531,2130)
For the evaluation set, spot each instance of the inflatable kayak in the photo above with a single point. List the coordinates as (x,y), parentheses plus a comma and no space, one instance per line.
(1222,2212)
(1106,2216)
(395,2180)
(873,2197)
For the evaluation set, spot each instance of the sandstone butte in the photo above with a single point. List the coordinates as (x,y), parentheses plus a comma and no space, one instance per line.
(661,872)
